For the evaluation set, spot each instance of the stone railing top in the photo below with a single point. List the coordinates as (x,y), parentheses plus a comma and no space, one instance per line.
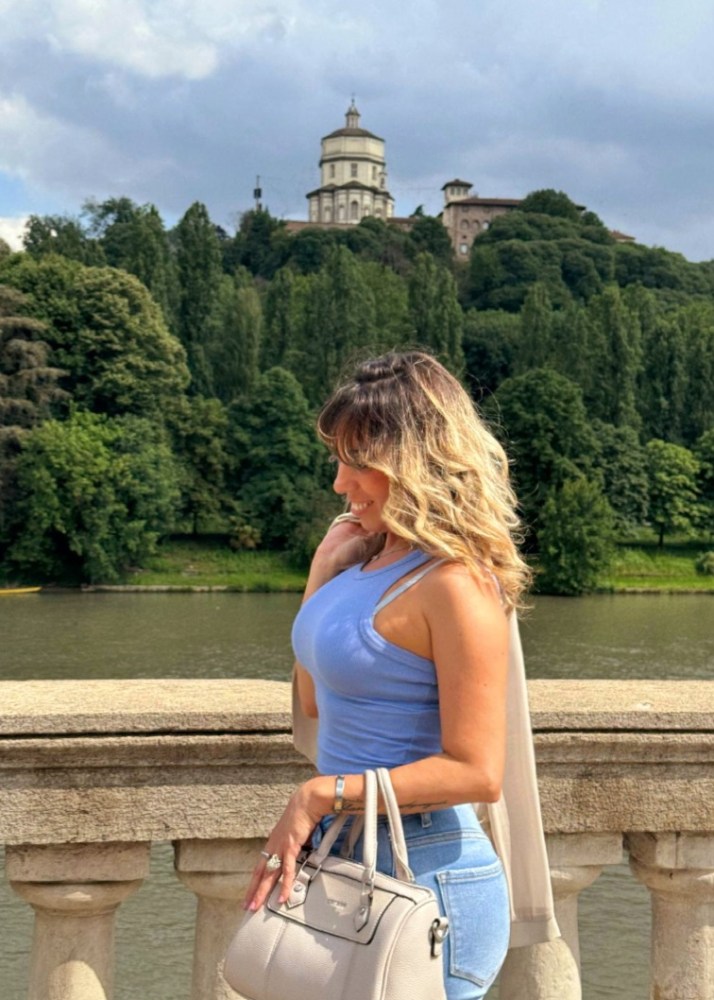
(634,705)
(117,707)
(111,707)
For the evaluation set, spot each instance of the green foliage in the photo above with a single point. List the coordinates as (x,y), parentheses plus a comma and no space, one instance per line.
(429,235)
(541,418)
(107,333)
(435,312)
(672,487)
(490,343)
(199,430)
(550,202)
(283,320)
(697,325)
(537,347)
(338,321)
(233,352)
(622,463)
(199,259)
(704,453)
(61,234)
(95,494)
(260,245)
(615,355)
(575,538)
(133,238)
(276,456)
(704,565)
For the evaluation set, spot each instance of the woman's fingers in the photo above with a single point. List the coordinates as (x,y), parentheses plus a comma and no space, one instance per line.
(262,882)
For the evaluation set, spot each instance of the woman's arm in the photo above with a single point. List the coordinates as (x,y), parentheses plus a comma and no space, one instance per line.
(462,620)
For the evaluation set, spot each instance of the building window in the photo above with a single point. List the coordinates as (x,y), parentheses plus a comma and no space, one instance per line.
(341,213)
(374,173)
(366,211)
(332,170)
(354,211)
(353,169)
(464,248)
(465,224)
(485,225)
(328,213)
(381,181)
(378,213)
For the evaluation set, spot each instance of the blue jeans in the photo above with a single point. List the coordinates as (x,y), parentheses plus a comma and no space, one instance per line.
(450,853)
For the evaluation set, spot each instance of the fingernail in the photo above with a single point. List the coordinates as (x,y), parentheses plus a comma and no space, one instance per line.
(253,905)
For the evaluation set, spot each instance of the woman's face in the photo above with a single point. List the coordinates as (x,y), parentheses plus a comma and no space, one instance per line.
(366,491)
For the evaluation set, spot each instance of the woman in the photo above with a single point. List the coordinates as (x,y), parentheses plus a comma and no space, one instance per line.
(403,647)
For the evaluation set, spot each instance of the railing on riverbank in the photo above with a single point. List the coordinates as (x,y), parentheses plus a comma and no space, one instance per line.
(93,772)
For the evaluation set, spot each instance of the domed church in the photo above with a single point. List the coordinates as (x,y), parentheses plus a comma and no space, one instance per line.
(353,176)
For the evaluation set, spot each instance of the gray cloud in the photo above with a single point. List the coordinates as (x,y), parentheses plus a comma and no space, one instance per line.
(608,100)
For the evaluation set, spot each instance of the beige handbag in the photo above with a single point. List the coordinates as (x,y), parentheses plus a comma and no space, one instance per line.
(347,930)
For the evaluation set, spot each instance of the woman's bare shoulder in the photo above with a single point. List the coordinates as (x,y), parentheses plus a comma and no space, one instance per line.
(455,584)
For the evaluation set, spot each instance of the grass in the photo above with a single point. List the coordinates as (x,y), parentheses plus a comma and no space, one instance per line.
(641,564)
(211,563)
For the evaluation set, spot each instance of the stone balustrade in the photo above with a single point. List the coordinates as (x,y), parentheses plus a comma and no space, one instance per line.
(93,772)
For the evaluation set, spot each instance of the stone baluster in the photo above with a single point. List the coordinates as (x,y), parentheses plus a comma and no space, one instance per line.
(218,872)
(551,971)
(75,890)
(678,870)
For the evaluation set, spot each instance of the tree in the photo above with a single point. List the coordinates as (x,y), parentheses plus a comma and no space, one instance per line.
(63,235)
(133,238)
(95,494)
(704,453)
(491,339)
(198,255)
(199,429)
(338,321)
(622,462)
(283,320)
(536,340)
(233,353)
(672,487)
(697,323)
(429,235)
(28,389)
(541,418)
(548,201)
(435,312)
(260,244)
(575,538)
(107,333)
(616,358)
(277,458)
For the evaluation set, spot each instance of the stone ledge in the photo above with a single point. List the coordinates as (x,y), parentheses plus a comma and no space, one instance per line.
(142,706)
(66,708)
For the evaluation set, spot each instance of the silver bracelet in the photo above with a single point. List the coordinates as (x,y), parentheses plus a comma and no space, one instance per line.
(339,793)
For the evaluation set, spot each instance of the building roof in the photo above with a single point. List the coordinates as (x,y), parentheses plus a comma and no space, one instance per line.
(351,186)
(456,183)
(621,237)
(495,202)
(352,132)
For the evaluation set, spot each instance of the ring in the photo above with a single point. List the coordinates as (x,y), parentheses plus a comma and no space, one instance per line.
(273,863)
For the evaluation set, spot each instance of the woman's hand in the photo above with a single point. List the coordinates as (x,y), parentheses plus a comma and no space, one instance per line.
(307,805)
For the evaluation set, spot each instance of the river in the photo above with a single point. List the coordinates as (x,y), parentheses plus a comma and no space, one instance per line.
(72,635)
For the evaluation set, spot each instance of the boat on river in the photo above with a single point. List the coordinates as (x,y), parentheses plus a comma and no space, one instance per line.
(10,591)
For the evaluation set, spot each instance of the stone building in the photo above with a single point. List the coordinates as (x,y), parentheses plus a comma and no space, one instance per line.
(466,216)
(353,176)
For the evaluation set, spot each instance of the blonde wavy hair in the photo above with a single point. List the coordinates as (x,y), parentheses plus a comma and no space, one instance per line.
(449,492)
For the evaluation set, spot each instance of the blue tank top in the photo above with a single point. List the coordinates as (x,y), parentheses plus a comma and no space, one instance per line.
(378,704)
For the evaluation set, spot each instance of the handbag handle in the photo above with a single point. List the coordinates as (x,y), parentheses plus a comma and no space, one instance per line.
(396,828)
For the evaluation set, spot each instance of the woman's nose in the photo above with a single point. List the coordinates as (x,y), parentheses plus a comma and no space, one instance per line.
(339,483)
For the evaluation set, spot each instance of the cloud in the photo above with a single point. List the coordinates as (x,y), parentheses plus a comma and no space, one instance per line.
(11,231)
(174,101)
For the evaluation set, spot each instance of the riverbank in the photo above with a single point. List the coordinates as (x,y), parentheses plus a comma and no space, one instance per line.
(184,564)
(208,564)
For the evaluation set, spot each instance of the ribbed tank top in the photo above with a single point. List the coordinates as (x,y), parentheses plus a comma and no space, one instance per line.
(378,704)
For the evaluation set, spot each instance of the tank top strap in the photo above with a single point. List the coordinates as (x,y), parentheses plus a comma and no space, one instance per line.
(406,584)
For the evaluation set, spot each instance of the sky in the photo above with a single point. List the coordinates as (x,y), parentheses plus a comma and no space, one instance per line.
(177,101)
